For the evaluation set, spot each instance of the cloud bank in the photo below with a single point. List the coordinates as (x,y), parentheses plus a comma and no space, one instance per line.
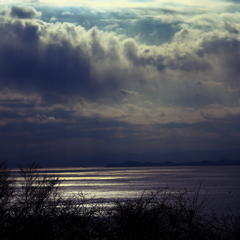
(86,80)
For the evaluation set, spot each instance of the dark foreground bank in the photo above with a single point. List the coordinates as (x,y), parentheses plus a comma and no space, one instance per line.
(35,209)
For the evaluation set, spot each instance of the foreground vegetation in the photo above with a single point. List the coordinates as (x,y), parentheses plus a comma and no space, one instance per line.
(33,209)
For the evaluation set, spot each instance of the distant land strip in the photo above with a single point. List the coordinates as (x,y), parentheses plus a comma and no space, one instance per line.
(223,162)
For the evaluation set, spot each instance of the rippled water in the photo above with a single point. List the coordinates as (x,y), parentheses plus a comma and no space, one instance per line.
(222,183)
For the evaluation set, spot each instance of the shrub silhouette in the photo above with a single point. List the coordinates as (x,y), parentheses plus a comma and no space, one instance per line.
(6,194)
(33,208)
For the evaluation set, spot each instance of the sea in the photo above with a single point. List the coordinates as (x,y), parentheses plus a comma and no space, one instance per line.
(220,183)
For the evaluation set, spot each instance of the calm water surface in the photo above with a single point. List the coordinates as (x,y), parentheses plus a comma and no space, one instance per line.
(221,182)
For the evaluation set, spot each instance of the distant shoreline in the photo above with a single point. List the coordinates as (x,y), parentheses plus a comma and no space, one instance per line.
(223,162)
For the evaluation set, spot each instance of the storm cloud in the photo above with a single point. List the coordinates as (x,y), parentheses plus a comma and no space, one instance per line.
(118,79)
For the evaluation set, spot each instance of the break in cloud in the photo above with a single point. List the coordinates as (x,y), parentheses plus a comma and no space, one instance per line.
(142,77)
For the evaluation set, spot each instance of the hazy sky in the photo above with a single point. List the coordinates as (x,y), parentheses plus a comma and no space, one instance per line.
(89,77)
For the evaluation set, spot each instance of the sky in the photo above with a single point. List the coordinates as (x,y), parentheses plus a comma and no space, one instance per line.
(83,78)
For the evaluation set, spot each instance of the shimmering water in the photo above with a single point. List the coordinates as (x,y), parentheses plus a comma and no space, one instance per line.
(221,182)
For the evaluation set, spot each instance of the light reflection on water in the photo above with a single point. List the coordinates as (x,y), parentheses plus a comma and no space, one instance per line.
(222,183)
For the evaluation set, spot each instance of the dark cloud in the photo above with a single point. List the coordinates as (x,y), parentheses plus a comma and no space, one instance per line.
(143,58)
(231,29)
(24,12)
(227,49)
(4,12)
(16,104)
(217,45)
(189,63)
(36,57)
(52,98)
(117,80)
(47,131)
(10,114)
(28,64)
